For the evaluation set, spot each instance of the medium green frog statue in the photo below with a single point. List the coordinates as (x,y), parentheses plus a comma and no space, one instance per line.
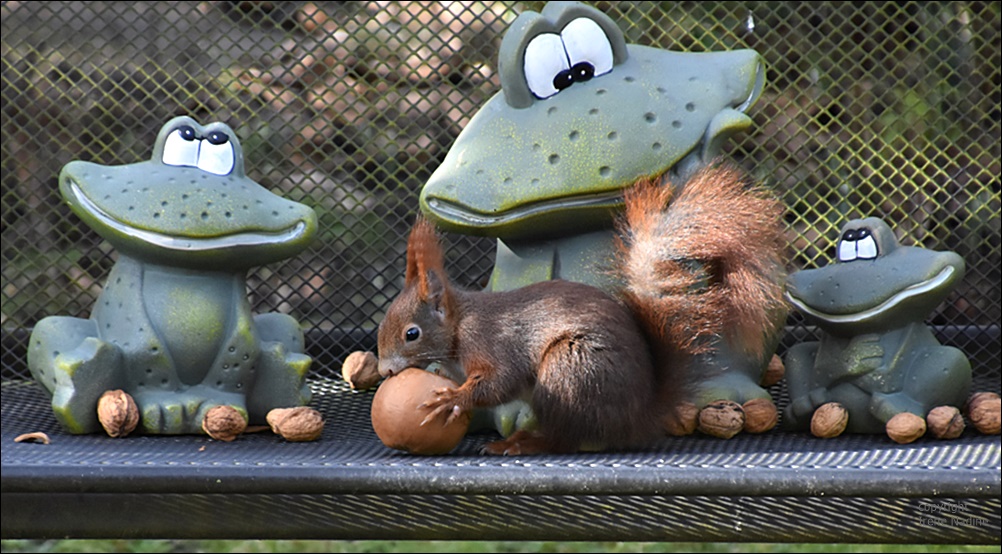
(173,326)
(876,357)
(581,116)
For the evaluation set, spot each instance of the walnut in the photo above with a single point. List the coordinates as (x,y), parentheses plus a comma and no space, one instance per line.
(681,420)
(945,422)
(906,427)
(722,419)
(829,420)
(224,423)
(299,424)
(760,415)
(983,411)
(399,409)
(118,413)
(774,372)
(361,370)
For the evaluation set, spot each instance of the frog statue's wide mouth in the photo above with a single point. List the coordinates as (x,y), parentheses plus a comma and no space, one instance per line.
(561,164)
(185,215)
(188,243)
(902,286)
(885,305)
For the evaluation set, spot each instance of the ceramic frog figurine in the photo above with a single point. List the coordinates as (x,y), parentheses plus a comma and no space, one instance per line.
(582,116)
(876,356)
(173,326)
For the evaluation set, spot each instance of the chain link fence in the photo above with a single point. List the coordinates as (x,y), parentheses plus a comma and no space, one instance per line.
(889,109)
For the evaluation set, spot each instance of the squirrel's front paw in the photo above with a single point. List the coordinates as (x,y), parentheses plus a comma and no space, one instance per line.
(446,401)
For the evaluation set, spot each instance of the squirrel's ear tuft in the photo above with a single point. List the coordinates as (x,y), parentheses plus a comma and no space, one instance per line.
(425,261)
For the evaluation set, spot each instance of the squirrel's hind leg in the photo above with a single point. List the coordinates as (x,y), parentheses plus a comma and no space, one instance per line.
(523,443)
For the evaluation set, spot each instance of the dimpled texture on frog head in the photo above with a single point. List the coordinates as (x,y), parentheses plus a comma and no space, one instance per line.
(190,205)
(876,284)
(581,116)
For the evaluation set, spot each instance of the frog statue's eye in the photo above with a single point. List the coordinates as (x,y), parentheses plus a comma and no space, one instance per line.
(857,244)
(181,147)
(545,62)
(213,153)
(554,62)
(216,154)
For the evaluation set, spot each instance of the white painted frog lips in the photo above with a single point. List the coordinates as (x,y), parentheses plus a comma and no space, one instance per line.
(188,244)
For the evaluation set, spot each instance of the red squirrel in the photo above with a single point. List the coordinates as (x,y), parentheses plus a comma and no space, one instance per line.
(603,372)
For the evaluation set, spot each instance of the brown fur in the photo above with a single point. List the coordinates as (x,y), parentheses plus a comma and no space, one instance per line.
(700,266)
(731,229)
(561,342)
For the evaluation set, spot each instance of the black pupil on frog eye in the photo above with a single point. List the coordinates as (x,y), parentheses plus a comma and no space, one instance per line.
(412,334)
(855,234)
(583,71)
(563,79)
(215,137)
(187,132)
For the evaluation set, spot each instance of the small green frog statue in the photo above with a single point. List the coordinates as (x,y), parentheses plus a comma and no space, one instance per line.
(580,118)
(876,358)
(173,327)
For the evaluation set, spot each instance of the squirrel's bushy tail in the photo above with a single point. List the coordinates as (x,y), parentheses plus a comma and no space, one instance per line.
(703,260)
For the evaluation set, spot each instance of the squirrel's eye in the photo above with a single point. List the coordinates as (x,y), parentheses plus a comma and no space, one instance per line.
(412,333)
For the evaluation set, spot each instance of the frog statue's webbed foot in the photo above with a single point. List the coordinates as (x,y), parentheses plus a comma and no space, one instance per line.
(177,412)
(725,375)
(507,418)
(66,356)
(281,368)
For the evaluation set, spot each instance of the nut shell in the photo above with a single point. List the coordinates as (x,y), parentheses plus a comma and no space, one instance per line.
(761,415)
(397,414)
(299,424)
(361,370)
(722,419)
(983,412)
(829,420)
(118,413)
(224,423)
(945,422)
(906,427)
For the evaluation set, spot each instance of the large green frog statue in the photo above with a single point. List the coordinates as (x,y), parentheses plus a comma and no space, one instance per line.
(876,356)
(173,326)
(580,117)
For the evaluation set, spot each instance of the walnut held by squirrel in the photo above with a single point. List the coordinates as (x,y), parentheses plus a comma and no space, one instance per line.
(602,372)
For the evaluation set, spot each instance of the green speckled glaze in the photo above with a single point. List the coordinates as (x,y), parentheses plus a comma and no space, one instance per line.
(183,215)
(529,167)
(876,355)
(173,325)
